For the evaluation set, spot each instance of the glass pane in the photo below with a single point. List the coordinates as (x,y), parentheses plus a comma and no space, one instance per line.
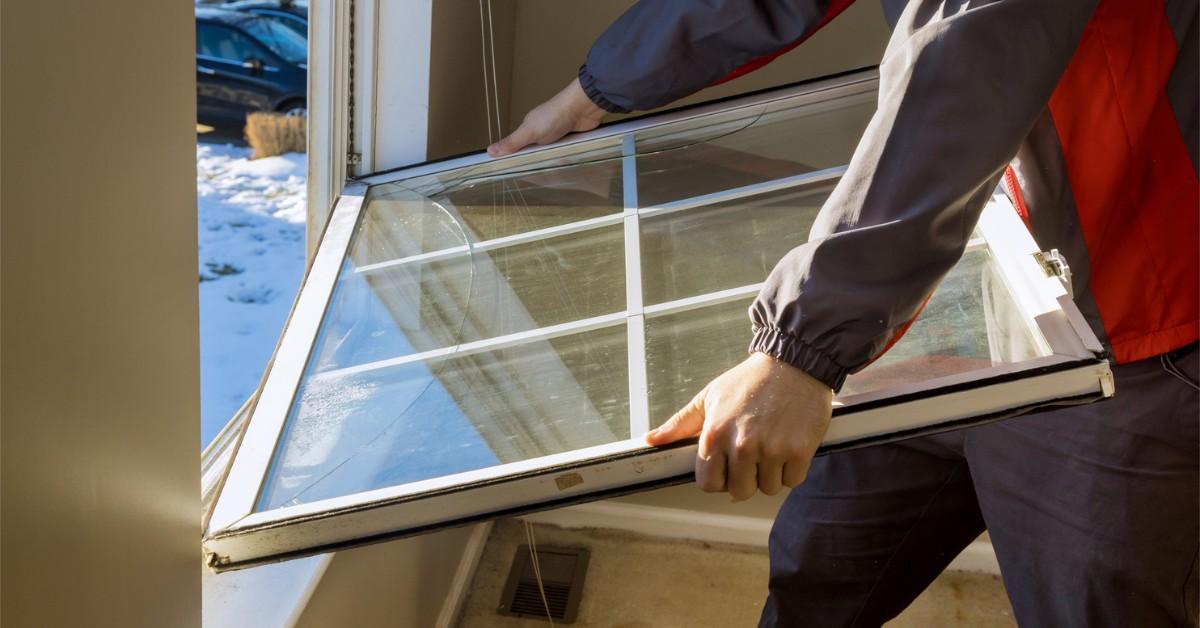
(496,199)
(387,311)
(398,223)
(970,323)
(767,143)
(353,432)
(687,350)
(727,245)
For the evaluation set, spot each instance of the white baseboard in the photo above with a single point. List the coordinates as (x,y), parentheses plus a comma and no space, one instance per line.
(675,523)
(979,557)
(463,575)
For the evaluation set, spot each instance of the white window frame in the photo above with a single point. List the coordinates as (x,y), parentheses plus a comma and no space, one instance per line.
(1073,371)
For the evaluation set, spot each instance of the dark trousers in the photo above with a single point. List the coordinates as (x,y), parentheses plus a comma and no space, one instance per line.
(1094,512)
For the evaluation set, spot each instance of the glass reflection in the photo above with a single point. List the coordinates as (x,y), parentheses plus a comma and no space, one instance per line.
(392,310)
(426,419)
(781,141)
(495,199)
(970,323)
(502,206)
(708,249)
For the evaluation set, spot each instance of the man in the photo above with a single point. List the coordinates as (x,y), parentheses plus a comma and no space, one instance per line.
(1093,510)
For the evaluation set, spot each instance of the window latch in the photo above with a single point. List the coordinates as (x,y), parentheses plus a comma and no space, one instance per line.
(1055,265)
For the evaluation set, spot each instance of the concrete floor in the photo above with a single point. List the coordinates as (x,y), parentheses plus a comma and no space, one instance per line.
(636,581)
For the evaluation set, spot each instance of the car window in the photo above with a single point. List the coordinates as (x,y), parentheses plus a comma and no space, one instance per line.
(282,40)
(225,43)
(292,22)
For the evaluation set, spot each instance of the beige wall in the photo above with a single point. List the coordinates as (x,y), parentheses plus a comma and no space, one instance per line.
(855,39)
(400,583)
(99,384)
(541,43)
(458,105)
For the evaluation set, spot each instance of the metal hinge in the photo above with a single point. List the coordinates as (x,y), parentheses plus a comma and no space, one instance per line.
(1055,265)
(353,159)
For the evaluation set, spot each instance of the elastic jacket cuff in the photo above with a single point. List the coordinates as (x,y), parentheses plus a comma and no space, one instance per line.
(784,346)
(588,82)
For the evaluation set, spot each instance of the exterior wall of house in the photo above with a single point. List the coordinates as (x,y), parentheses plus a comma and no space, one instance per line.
(99,377)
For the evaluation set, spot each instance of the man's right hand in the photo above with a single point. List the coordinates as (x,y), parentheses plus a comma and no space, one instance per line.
(569,111)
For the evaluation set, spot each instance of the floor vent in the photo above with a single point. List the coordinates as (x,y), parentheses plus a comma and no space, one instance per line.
(563,570)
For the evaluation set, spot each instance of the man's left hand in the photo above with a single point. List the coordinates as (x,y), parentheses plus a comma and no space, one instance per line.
(759,424)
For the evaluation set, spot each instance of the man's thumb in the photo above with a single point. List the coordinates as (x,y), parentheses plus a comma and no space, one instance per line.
(687,422)
(522,137)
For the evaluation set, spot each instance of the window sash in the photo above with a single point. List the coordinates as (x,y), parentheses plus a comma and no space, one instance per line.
(239,536)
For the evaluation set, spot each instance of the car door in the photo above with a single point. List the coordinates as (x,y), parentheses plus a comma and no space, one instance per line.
(480,337)
(233,72)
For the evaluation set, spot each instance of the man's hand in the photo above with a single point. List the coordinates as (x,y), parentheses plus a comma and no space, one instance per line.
(569,111)
(759,423)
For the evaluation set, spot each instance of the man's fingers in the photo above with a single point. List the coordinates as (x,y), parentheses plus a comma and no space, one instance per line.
(685,423)
(519,139)
(569,110)
(710,471)
(770,476)
(794,473)
(743,476)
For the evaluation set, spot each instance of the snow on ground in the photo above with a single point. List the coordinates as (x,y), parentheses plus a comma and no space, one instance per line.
(251,260)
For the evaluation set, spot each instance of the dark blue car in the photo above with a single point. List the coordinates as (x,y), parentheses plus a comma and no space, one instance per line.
(247,62)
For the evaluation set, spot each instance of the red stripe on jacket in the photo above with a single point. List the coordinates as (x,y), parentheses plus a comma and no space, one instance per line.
(1134,186)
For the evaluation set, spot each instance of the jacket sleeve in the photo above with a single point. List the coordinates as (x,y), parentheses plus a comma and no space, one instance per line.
(961,84)
(662,50)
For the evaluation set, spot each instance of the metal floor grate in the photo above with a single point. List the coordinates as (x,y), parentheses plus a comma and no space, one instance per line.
(563,570)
